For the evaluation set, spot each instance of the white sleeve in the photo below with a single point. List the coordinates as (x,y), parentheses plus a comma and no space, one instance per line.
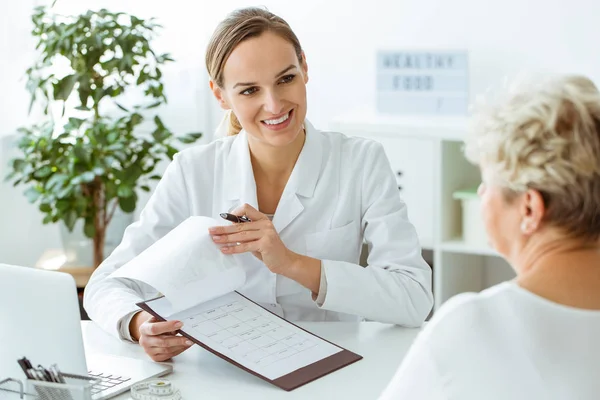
(110,302)
(417,377)
(124,333)
(395,287)
(322,288)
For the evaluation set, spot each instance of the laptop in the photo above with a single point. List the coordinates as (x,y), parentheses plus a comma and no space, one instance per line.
(39,319)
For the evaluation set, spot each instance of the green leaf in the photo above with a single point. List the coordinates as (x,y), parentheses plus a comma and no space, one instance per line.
(10,176)
(112,136)
(74,123)
(156,177)
(99,171)
(127,204)
(70,217)
(45,208)
(132,173)
(63,88)
(64,192)
(43,172)
(89,229)
(159,123)
(154,105)
(32,194)
(145,188)
(124,191)
(18,165)
(88,177)
(142,78)
(80,154)
(62,205)
(56,179)
(190,137)
(171,151)
(121,107)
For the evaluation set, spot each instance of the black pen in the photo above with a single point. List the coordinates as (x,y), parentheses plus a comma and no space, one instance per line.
(24,367)
(234,218)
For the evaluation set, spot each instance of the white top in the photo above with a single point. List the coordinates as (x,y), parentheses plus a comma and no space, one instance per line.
(504,343)
(342,190)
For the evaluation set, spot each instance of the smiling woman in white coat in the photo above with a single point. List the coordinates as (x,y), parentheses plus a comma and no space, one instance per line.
(313,198)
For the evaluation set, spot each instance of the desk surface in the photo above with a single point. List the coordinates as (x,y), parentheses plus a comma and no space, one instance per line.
(197,371)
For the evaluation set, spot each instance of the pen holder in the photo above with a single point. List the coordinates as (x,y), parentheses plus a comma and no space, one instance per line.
(11,389)
(76,387)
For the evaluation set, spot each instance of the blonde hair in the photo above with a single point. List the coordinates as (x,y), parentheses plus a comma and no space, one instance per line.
(546,136)
(241,25)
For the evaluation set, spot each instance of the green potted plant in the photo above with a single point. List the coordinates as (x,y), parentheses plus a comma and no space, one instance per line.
(95,160)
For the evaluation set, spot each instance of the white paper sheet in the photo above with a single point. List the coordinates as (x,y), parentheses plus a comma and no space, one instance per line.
(186,265)
(248,334)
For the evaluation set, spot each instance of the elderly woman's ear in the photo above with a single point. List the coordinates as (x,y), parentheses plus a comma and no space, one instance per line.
(533,210)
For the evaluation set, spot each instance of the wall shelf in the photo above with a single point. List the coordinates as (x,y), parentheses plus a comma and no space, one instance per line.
(459,246)
(426,156)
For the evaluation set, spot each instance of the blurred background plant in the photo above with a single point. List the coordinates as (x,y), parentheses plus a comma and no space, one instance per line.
(97,161)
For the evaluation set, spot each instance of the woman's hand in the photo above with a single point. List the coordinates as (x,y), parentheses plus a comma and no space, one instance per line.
(158,339)
(258,237)
(261,238)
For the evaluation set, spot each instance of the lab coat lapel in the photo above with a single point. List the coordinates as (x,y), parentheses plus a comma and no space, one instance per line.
(302,181)
(239,183)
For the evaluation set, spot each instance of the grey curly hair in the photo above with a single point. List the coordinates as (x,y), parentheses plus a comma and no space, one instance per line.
(545,136)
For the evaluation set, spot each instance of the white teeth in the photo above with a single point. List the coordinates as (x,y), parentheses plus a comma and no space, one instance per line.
(277,121)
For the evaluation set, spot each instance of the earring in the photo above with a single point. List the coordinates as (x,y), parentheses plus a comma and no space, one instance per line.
(524,227)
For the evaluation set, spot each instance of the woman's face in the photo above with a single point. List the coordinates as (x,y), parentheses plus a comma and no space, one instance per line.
(265,86)
(502,218)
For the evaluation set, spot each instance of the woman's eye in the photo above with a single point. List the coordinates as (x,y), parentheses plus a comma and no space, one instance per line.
(287,78)
(249,91)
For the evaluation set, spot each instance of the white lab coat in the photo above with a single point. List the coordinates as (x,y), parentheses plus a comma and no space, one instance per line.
(341,191)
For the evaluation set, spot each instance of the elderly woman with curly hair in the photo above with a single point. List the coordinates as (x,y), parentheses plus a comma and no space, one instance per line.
(537,337)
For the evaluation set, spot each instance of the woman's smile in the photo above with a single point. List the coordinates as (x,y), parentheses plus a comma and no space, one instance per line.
(279,122)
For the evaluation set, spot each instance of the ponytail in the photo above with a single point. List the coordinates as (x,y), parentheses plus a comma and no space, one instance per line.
(234,124)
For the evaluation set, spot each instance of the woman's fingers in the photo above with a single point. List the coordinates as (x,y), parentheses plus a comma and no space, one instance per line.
(154,328)
(240,237)
(241,227)
(252,213)
(165,341)
(166,355)
(254,246)
(159,341)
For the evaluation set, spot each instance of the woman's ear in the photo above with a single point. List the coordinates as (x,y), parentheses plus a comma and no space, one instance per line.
(219,95)
(533,211)
(304,68)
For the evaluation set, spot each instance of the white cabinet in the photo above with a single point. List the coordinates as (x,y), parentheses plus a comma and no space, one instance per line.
(426,154)
(412,163)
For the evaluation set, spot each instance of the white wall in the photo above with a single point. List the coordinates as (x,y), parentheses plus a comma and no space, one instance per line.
(340,39)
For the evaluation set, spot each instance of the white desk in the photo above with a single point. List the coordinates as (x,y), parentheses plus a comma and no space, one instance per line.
(198,372)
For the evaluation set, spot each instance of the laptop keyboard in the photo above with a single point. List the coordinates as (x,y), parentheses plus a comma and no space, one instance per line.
(107,381)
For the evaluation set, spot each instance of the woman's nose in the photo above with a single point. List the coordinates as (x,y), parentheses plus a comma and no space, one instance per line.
(273,103)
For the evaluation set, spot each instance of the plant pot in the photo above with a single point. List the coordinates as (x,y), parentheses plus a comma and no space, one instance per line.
(79,249)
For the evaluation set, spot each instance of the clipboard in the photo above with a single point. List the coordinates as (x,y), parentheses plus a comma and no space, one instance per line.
(289,381)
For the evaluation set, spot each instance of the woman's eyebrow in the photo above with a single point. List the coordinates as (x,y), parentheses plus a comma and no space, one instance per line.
(292,66)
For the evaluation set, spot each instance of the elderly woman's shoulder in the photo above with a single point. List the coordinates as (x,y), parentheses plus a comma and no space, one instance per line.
(473,311)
